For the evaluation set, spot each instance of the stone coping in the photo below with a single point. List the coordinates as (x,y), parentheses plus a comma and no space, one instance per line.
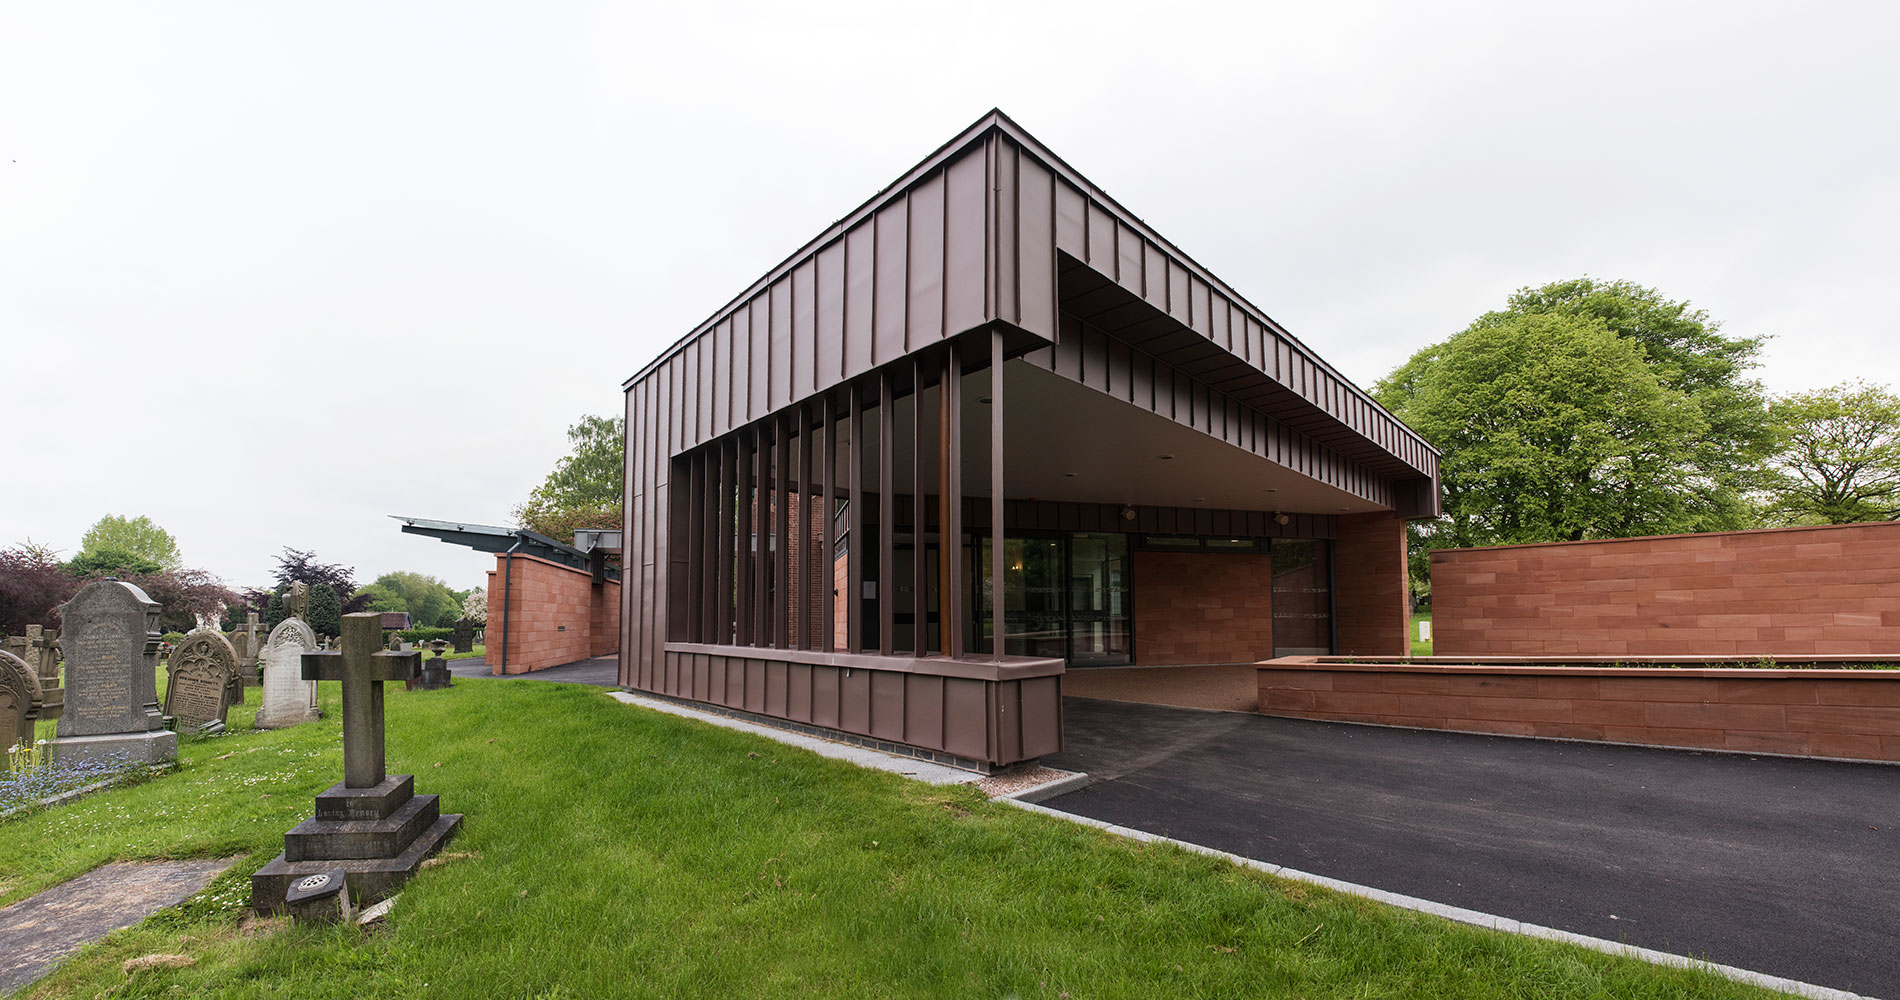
(1585,666)
(1006,668)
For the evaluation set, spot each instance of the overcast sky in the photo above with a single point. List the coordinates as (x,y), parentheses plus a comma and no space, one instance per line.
(272,272)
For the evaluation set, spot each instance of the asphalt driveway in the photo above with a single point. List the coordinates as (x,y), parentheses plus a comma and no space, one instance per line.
(1788,867)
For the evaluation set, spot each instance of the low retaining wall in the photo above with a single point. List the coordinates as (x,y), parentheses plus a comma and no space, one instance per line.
(988,711)
(1852,714)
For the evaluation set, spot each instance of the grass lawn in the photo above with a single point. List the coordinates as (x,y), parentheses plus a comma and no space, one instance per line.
(614,851)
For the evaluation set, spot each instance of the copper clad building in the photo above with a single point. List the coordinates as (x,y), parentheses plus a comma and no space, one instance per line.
(992,371)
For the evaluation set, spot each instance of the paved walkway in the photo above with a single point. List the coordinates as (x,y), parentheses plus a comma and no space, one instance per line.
(601,671)
(40,930)
(1782,866)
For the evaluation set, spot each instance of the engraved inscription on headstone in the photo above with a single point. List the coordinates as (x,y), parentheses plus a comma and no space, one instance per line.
(198,692)
(111,645)
(288,698)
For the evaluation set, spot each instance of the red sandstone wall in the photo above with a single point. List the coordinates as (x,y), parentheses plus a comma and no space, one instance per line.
(1371,606)
(1794,591)
(1822,713)
(556,614)
(1202,607)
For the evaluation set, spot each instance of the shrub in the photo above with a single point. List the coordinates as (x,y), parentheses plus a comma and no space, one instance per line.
(426,634)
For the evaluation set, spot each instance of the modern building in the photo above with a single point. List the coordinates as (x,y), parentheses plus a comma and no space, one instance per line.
(993,371)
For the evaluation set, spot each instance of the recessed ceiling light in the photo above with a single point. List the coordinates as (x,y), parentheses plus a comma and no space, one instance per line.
(985,400)
(1269,491)
(1068,475)
(1345,508)
(1200,499)
(1166,458)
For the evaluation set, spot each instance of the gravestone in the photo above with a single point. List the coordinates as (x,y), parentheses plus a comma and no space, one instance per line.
(236,693)
(465,635)
(45,660)
(251,650)
(19,701)
(297,601)
(19,645)
(371,826)
(198,689)
(435,671)
(111,646)
(288,699)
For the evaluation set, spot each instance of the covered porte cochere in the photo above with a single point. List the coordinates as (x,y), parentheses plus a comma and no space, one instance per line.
(993,372)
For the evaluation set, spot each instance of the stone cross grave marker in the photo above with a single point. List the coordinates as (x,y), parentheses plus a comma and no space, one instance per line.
(251,651)
(111,646)
(288,699)
(198,693)
(45,659)
(371,826)
(19,701)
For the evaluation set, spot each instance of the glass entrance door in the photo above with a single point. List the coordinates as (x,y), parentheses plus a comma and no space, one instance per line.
(1064,597)
(1098,599)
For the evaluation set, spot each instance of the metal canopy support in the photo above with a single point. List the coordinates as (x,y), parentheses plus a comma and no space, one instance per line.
(782,549)
(997,604)
(854,536)
(828,512)
(887,514)
(919,517)
(728,528)
(950,503)
(747,447)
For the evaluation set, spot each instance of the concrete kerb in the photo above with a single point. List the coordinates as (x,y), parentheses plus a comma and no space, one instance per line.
(1462,915)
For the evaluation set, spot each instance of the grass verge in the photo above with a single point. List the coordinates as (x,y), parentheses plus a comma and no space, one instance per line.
(611,851)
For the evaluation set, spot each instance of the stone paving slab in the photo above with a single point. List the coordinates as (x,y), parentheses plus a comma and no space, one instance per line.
(39,931)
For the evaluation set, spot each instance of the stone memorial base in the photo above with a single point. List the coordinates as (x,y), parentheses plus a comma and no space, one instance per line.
(377,837)
(435,678)
(157,747)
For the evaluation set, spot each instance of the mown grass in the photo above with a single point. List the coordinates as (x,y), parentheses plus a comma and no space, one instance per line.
(619,852)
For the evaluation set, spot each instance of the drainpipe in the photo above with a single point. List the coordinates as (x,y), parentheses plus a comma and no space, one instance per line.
(507,585)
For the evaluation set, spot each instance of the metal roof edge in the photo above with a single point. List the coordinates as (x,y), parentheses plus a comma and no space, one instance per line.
(990,121)
(1036,147)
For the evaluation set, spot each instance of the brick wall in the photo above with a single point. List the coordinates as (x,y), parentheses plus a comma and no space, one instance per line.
(1822,713)
(1202,607)
(1371,606)
(1793,591)
(556,614)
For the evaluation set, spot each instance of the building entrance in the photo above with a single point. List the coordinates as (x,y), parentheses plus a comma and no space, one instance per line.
(1064,596)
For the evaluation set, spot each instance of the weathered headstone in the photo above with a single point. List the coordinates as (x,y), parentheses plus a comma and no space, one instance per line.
(19,645)
(465,635)
(252,649)
(371,826)
(45,660)
(111,646)
(297,601)
(19,701)
(435,670)
(288,698)
(198,690)
(235,694)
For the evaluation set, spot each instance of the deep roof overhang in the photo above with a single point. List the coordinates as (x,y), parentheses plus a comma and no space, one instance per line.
(993,230)
(491,538)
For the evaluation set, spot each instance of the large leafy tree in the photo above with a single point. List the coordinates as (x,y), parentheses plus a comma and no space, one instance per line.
(428,600)
(110,560)
(584,490)
(1552,427)
(137,536)
(1688,353)
(185,597)
(1838,456)
(296,565)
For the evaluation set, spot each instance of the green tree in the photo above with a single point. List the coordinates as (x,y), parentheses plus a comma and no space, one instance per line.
(1688,353)
(110,560)
(382,598)
(584,490)
(1838,456)
(1552,427)
(428,600)
(326,611)
(136,535)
